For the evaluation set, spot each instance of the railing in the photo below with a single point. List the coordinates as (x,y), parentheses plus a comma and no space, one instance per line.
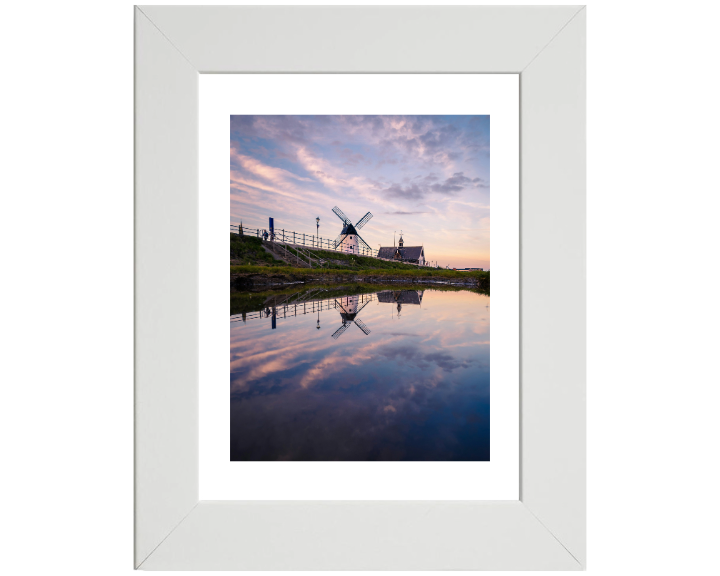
(286,310)
(297,253)
(299,307)
(283,236)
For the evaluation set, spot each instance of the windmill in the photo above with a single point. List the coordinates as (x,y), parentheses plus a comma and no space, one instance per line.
(349,240)
(348,312)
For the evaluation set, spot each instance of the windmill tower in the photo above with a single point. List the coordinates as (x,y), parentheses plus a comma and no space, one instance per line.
(349,241)
(349,310)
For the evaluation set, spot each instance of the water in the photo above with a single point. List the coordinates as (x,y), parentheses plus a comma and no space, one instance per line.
(391,375)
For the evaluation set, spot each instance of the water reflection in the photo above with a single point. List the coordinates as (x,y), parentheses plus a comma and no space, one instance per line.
(409,381)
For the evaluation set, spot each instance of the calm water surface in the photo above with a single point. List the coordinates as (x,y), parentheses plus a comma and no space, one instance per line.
(393,375)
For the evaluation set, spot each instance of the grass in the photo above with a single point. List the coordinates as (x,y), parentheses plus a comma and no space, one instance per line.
(247,250)
(339,261)
(410,271)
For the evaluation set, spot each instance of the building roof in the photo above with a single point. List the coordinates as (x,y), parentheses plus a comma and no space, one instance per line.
(387,252)
(349,229)
(402,296)
(406,252)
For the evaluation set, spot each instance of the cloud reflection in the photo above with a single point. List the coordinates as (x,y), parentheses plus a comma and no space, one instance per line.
(415,388)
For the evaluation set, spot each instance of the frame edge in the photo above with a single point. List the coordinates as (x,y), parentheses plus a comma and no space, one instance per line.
(181,509)
(166,287)
(553,206)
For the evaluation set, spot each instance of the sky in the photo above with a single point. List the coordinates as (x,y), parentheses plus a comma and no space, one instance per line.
(427,176)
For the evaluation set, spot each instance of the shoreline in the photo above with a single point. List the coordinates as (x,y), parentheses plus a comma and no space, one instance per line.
(242,281)
(260,296)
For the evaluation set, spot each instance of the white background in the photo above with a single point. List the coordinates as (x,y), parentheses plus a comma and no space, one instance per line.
(224,94)
(66,233)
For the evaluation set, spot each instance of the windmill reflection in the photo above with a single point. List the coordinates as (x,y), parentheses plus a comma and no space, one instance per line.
(281,306)
(349,310)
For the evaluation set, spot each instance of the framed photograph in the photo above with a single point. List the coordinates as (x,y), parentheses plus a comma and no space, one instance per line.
(369,164)
(418,392)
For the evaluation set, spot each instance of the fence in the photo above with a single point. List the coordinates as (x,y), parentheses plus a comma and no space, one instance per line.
(297,307)
(285,310)
(283,236)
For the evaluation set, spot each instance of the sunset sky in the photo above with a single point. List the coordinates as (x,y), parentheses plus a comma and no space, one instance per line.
(428,176)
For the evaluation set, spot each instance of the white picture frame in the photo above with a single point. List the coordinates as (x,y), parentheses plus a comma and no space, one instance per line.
(545,529)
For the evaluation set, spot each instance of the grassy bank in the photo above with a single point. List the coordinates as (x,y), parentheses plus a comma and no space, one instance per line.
(340,261)
(252,265)
(254,277)
(247,250)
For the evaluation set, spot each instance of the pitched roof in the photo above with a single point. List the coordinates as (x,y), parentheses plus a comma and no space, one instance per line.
(387,252)
(402,296)
(406,252)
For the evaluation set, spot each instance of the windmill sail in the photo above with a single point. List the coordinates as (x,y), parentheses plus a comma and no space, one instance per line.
(363,243)
(363,306)
(340,214)
(364,220)
(339,240)
(340,330)
(349,310)
(361,325)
